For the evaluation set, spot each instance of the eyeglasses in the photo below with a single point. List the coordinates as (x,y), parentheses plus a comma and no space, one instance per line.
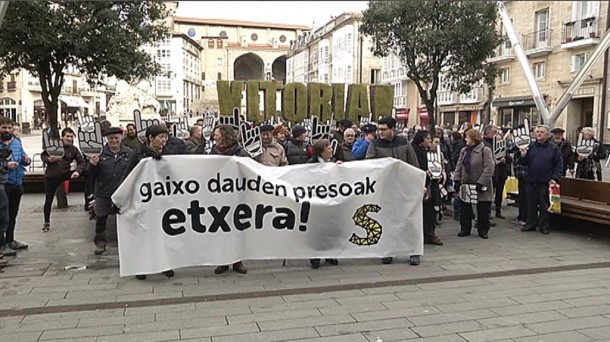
(382,129)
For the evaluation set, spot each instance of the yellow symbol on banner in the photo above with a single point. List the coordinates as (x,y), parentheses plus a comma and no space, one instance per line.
(372,227)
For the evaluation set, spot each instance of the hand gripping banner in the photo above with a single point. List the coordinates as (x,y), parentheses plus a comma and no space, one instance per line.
(174,213)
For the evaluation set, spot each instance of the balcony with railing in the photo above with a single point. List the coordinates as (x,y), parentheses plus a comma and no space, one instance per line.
(504,52)
(537,43)
(445,97)
(475,95)
(580,33)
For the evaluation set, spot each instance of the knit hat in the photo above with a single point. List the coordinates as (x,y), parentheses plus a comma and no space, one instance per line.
(266,128)
(298,130)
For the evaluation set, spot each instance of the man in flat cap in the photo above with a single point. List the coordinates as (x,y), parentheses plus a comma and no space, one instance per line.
(565,148)
(273,153)
(108,169)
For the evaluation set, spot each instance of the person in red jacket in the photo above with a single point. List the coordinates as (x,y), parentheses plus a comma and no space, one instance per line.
(58,170)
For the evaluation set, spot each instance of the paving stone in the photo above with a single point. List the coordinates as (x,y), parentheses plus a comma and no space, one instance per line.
(569,324)
(269,336)
(97,322)
(586,311)
(442,318)
(496,334)
(23,336)
(272,316)
(480,304)
(305,322)
(530,318)
(389,335)
(320,303)
(363,299)
(187,315)
(529,308)
(82,332)
(161,308)
(176,324)
(603,332)
(357,308)
(142,337)
(323,295)
(447,328)
(341,329)
(406,312)
(342,338)
(218,331)
(566,336)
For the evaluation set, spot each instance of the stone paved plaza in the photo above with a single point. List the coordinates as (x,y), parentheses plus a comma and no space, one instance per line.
(513,287)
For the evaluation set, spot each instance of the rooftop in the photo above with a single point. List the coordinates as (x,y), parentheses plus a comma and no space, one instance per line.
(242,23)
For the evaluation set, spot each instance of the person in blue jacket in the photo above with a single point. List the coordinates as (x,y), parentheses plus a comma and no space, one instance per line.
(17,163)
(362,144)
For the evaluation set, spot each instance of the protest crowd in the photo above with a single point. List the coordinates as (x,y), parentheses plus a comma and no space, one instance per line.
(466,167)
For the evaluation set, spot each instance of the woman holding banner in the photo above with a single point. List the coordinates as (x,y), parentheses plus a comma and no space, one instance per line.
(156,138)
(474,172)
(227,145)
(322,153)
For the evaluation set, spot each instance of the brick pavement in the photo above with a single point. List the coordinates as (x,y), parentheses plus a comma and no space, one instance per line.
(513,287)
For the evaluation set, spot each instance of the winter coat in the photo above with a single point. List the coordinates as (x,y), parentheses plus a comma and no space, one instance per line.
(347,151)
(544,163)
(195,147)
(236,150)
(481,171)
(175,146)
(398,148)
(61,168)
(297,152)
(15,176)
(109,170)
(567,155)
(273,155)
(359,149)
(590,167)
(132,142)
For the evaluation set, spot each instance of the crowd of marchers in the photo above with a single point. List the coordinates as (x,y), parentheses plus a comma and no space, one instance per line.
(472,176)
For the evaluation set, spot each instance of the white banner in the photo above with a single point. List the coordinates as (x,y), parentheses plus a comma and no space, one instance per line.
(194,210)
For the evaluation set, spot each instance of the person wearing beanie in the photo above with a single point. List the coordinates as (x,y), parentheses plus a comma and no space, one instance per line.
(298,150)
(273,153)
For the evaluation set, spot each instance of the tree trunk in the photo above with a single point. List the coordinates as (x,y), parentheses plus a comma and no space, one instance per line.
(62,199)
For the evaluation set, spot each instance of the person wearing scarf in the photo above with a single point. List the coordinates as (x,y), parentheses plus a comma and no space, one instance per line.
(475,166)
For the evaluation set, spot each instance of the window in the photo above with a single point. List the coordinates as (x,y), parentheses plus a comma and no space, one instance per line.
(219,43)
(539,69)
(210,43)
(254,37)
(219,76)
(223,34)
(203,76)
(542,23)
(585,9)
(505,75)
(578,61)
(282,38)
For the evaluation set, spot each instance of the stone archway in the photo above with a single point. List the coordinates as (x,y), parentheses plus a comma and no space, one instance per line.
(248,67)
(279,69)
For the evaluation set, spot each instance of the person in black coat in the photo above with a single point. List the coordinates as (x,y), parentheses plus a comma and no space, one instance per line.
(422,142)
(565,148)
(322,153)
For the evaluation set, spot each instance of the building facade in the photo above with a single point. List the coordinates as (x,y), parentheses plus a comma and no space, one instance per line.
(178,88)
(334,53)
(237,50)
(558,37)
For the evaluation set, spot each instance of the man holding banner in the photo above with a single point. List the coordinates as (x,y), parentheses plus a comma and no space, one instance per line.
(107,169)
(389,144)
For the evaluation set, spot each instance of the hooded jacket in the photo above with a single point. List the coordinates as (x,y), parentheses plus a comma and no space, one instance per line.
(15,176)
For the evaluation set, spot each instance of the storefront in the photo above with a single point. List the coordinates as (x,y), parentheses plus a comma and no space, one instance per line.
(511,111)
(458,114)
(422,113)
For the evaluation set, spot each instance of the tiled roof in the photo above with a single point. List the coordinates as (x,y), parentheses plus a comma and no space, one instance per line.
(227,22)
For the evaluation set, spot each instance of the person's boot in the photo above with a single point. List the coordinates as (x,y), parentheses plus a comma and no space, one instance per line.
(240,268)
(169,273)
(499,214)
(221,269)
(315,263)
(332,261)
(387,260)
(100,248)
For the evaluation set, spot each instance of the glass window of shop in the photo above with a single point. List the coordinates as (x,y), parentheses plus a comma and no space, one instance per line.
(513,117)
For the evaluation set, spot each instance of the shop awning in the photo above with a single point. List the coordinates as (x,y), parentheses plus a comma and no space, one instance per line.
(73,101)
(515,101)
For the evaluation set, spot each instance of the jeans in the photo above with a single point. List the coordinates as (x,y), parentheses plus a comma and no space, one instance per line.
(538,205)
(13,193)
(428,215)
(457,203)
(499,187)
(3,216)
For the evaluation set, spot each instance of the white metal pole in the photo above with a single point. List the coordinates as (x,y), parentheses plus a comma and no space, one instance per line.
(3,8)
(522,58)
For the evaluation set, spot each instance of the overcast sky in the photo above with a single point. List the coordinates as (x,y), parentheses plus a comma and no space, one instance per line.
(284,12)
